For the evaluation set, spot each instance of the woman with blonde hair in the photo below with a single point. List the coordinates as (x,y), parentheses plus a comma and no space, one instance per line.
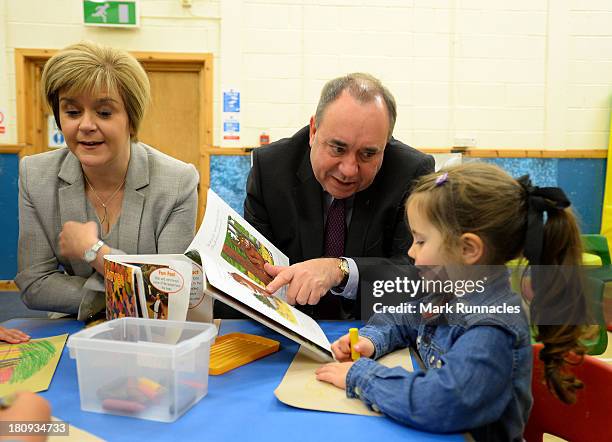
(106,193)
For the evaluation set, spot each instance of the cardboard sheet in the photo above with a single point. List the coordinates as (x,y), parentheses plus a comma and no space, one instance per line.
(29,366)
(300,388)
(75,435)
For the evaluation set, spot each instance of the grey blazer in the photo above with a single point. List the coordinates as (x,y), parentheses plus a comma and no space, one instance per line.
(158,215)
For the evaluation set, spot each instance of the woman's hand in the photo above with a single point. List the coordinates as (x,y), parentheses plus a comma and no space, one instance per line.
(334,373)
(342,348)
(13,336)
(75,238)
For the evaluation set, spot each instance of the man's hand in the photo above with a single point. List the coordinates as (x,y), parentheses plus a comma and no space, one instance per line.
(75,238)
(307,281)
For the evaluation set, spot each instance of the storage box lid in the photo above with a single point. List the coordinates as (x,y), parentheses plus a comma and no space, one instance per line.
(150,336)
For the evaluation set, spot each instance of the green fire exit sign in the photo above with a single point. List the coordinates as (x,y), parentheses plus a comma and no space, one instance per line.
(110,13)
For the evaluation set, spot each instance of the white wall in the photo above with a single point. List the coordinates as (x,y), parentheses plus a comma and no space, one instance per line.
(165,27)
(520,73)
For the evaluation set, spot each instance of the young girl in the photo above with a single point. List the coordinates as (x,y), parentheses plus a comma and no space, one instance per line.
(478,364)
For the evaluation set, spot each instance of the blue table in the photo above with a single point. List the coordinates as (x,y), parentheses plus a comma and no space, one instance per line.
(240,405)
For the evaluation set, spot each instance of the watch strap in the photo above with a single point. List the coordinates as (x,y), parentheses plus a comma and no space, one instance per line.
(344,268)
(97,246)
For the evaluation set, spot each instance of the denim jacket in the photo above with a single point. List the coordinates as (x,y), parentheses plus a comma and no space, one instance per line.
(478,375)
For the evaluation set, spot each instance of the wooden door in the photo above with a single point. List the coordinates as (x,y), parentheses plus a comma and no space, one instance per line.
(172,120)
(178,122)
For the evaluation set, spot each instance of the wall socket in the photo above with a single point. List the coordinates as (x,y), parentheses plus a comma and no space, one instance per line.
(465,142)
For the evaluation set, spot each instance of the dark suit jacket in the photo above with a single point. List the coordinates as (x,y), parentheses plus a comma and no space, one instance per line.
(284,202)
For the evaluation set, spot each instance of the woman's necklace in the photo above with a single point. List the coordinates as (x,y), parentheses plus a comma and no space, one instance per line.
(105,203)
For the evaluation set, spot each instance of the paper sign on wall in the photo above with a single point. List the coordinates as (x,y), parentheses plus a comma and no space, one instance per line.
(231,101)
(231,128)
(2,121)
(231,117)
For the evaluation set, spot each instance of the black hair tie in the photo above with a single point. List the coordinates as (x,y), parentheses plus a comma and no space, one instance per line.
(539,200)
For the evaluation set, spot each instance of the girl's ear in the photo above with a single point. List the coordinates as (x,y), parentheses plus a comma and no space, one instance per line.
(472,248)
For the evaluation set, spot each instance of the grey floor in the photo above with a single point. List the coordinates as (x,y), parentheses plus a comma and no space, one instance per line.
(12,307)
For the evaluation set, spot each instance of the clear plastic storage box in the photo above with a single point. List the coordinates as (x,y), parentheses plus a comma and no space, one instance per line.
(145,368)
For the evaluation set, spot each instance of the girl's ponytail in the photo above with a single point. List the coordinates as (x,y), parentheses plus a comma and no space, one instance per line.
(559,307)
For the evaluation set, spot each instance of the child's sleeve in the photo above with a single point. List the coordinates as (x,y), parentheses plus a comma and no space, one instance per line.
(389,332)
(472,388)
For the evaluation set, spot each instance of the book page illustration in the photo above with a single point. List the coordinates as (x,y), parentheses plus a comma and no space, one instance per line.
(245,253)
(166,289)
(272,302)
(156,297)
(29,365)
(120,285)
(233,254)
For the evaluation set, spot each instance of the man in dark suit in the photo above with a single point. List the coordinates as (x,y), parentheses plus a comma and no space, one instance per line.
(346,157)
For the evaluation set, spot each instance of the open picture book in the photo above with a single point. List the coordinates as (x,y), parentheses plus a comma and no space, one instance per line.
(155,286)
(225,261)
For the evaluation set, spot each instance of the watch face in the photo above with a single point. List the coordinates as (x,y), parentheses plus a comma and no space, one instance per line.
(344,267)
(90,255)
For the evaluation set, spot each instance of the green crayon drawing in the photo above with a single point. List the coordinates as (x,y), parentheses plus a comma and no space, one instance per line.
(34,357)
(21,365)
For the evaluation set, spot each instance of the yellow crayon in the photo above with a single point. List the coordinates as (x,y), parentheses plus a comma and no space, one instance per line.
(149,385)
(149,388)
(354,338)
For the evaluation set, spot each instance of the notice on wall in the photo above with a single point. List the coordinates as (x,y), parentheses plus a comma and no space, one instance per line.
(3,121)
(231,117)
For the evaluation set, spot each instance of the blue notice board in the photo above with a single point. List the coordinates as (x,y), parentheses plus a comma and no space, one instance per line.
(231,126)
(231,101)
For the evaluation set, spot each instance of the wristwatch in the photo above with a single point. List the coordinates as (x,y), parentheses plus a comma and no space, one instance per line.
(90,254)
(344,268)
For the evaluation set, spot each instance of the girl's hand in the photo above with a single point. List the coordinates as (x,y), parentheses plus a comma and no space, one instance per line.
(334,373)
(342,348)
(13,336)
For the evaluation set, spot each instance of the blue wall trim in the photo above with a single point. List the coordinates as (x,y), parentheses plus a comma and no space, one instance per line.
(9,217)
(582,179)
